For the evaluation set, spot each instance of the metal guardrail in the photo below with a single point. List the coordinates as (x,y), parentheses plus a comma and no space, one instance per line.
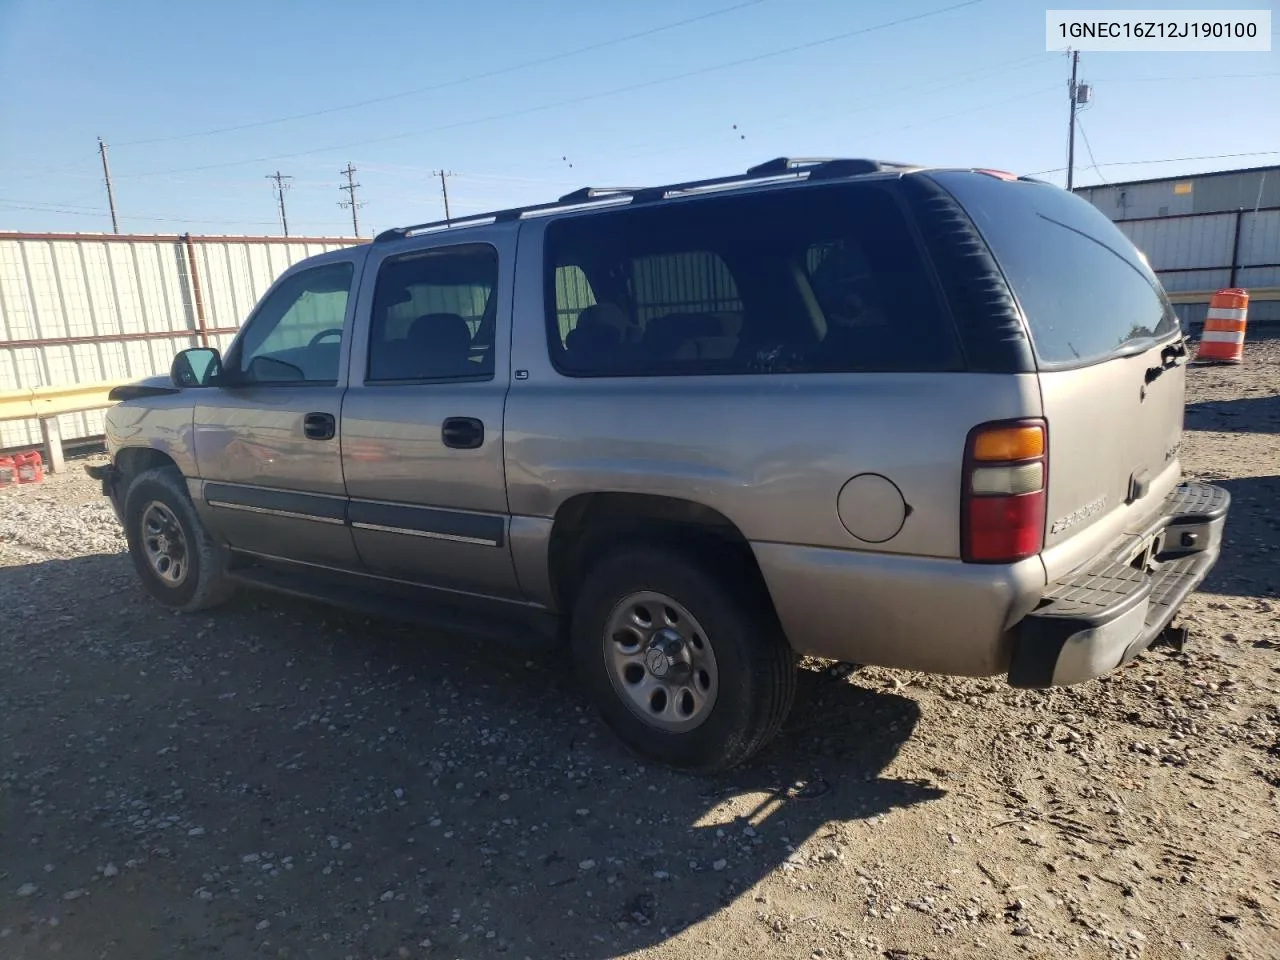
(46,404)
(54,401)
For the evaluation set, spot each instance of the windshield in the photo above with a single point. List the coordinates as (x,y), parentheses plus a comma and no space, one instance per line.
(1085,290)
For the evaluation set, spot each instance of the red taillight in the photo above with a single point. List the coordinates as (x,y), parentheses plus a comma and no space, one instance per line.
(1005,481)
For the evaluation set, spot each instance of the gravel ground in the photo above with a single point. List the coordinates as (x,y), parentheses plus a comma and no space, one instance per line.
(282,780)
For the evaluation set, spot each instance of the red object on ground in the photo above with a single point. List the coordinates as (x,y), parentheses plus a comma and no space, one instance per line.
(30,467)
(8,471)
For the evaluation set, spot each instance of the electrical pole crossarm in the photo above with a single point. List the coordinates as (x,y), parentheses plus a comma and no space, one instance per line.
(350,188)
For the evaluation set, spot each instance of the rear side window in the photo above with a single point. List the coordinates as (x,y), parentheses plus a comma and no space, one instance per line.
(434,314)
(1085,289)
(808,280)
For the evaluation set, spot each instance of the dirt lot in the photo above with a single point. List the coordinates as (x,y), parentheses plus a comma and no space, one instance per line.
(282,780)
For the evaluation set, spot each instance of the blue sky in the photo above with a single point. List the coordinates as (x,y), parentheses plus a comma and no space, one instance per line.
(971,85)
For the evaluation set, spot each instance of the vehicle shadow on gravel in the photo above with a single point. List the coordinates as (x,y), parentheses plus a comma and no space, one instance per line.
(1250,562)
(1242,415)
(275,776)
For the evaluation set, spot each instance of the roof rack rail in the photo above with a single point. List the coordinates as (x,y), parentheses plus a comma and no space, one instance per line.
(780,165)
(593,193)
(815,168)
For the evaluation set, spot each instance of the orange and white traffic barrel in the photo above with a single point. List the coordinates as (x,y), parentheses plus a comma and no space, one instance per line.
(1223,337)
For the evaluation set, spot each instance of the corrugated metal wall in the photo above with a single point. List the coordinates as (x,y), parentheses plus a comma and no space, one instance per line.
(82,308)
(1201,246)
(1212,193)
(1188,228)
(1194,253)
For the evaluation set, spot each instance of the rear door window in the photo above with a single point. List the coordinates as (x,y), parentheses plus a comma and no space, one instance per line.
(807,280)
(1084,288)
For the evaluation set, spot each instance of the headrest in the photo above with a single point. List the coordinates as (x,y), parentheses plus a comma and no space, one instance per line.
(444,333)
(604,315)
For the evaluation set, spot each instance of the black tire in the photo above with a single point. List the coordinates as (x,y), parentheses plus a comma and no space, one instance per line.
(204,583)
(755,665)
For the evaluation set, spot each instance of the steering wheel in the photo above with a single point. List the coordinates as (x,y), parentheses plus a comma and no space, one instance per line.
(335,332)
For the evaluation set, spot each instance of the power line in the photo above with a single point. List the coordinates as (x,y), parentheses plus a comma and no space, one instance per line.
(62,169)
(350,188)
(1185,77)
(667,151)
(1039,92)
(1143,163)
(281,187)
(586,98)
(945,81)
(459,81)
(90,211)
(1085,137)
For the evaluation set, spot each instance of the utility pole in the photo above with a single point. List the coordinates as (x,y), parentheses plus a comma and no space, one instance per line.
(1071,132)
(350,188)
(281,187)
(111,194)
(444,190)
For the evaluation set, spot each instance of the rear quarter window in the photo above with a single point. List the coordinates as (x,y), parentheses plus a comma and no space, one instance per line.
(1084,288)
(815,279)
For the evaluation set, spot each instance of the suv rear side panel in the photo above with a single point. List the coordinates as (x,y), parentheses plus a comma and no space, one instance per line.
(1107,345)
(1125,543)
(770,447)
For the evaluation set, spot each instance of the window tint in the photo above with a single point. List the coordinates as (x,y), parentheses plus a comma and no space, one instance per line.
(1084,288)
(815,279)
(434,314)
(295,336)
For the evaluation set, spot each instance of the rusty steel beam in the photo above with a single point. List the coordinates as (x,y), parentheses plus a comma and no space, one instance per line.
(196,296)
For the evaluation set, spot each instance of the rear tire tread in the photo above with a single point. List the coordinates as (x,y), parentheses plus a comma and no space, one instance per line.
(766,659)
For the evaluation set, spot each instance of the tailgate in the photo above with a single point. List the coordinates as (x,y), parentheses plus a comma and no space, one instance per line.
(1112,439)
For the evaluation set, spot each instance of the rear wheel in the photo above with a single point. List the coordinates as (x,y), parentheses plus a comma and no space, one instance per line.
(687,667)
(177,561)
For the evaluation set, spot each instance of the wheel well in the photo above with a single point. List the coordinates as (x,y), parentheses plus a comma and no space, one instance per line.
(132,461)
(589,525)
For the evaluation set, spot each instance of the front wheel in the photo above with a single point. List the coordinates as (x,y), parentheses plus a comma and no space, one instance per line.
(687,667)
(177,561)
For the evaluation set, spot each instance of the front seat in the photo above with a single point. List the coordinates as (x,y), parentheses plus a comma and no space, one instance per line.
(438,345)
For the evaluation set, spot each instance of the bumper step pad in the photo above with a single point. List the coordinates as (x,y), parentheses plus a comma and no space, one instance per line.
(1092,618)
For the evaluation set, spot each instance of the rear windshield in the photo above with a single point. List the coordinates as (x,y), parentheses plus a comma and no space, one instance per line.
(1085,289)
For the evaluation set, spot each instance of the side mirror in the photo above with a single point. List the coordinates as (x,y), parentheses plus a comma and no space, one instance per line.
(197,367)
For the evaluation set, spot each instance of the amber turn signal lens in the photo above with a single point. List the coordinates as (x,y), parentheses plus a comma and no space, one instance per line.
(1009,443)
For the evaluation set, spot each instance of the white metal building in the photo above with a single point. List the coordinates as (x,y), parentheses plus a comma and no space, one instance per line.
(1204,232)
